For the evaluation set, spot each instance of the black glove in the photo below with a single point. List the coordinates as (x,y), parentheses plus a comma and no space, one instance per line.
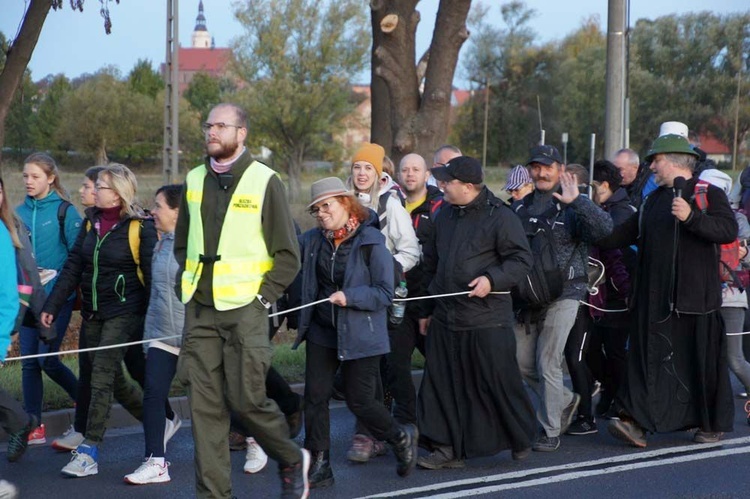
(47,334)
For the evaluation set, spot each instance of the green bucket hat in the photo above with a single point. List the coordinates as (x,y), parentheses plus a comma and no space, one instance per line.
(671,144)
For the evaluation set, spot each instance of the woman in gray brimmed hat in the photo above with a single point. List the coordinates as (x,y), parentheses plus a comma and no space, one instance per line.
(345,260)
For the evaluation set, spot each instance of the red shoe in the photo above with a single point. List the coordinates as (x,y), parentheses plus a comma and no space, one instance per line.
(38,436)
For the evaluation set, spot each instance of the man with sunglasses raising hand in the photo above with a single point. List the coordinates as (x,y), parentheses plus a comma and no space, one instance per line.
(237,248)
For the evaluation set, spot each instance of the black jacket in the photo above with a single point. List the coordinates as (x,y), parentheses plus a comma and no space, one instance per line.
(483,238)
(105,270)
(423,221)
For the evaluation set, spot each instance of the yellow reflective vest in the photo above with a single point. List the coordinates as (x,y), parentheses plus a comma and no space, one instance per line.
(242,258)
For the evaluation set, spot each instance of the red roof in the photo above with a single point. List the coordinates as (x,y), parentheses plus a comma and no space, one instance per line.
(212,61)
(712,145)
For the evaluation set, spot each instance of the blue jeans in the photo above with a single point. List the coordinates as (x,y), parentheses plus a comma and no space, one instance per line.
(160,369)
(33,388)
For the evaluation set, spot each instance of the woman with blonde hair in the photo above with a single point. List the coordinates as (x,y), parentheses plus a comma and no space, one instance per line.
(53,224)
(111,262)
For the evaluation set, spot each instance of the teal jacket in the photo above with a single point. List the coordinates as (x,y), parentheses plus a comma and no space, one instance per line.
(40,218)
(8,290)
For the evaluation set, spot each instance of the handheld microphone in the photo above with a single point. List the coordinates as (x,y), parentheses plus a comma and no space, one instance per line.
(679,185)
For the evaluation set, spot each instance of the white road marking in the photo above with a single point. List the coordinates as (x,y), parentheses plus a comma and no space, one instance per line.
(636,456)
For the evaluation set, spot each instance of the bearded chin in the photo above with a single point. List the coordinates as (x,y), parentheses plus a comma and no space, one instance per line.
(221,152)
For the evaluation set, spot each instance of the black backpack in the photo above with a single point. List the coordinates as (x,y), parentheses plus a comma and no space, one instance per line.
(544,282)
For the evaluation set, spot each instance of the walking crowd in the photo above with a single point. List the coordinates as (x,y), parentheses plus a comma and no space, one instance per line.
(632,276)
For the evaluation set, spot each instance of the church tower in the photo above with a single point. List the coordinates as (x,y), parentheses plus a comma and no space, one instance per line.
(201,38)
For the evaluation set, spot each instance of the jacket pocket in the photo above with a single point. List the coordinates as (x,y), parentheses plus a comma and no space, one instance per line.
(120,288)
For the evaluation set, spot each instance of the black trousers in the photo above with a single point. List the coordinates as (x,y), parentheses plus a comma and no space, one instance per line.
(12,416)
(607,356)
(575,355)
(404,339)
(361,377)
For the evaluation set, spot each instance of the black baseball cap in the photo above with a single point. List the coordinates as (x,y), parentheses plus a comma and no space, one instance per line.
(463,168)
(545,155)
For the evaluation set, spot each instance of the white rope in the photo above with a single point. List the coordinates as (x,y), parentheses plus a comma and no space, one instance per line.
(299,308)
(446,295)
(602,309)
(738,334)
(93,349)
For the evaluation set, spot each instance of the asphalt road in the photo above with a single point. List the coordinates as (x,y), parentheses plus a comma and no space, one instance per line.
(590,466)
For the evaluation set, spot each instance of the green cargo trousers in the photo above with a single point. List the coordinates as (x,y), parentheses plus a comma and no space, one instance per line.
(223,363)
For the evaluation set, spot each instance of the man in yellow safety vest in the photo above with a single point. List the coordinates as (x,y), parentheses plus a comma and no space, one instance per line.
(236,244)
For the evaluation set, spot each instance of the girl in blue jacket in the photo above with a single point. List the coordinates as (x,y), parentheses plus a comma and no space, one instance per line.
(52,232)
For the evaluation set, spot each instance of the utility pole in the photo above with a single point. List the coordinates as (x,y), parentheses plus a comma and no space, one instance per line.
(486,119)
(614,127)
(171,154)
(737,115)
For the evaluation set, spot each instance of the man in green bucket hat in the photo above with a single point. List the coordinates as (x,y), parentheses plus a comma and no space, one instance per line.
(677,376)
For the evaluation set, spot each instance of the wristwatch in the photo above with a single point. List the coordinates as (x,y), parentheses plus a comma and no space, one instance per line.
(264,302)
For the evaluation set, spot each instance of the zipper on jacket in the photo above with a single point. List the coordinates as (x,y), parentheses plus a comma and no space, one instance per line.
(33,227)
(333,261)
(95,276)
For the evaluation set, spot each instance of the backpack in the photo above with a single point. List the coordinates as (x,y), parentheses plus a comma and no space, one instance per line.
(62,210)
(544,282)
(729,253)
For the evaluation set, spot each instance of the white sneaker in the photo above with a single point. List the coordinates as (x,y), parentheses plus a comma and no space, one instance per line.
(83,463)
(149,472)
(8,490)
(170,428)
(255,458)
(70,440)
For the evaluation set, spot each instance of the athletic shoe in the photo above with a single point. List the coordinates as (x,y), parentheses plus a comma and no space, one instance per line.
(38,436)
(170,428)
(707,437)
(546,444)
(440,458)
(583,425)
(84,462)
(19,441)
(627,431)
(255,458)
(236,441)
(8,490)
(566,418)
(149,472)
(364,447)
(294,481)
(69,441)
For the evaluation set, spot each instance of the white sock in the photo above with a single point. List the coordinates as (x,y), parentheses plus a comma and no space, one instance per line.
(159,461)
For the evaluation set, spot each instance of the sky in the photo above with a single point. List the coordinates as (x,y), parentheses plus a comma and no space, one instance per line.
(74,43)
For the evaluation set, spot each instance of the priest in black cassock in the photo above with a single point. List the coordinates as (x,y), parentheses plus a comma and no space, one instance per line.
(677,375)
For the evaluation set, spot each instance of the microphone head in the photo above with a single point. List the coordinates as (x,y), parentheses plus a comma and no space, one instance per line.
(679,184)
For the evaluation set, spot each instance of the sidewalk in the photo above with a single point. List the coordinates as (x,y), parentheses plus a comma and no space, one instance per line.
(57,422)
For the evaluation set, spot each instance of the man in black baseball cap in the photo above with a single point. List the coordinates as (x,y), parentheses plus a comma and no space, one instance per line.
(545,155)
(463,168)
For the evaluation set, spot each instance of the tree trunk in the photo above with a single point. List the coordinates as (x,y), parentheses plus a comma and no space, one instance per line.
(19,56)
(294,169)
(101,153)
(417,122)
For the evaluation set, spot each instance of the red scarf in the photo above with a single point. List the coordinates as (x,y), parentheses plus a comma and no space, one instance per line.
(339,234)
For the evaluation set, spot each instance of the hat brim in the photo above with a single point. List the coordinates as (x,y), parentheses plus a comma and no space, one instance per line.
(329,194)
(544,160)
(442,174)
(513,186)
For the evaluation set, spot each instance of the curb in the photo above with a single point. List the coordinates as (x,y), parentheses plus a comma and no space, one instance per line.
(57,422)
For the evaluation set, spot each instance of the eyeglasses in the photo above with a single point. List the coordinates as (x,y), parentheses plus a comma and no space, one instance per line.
(102,188)
(220,127)
(325,208)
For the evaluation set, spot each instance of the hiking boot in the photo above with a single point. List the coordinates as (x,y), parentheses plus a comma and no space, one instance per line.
(19,441)
(294,481)
(255,458)
(321,474)
(566,418)
(441,457)
(583,425)
(546,444)
(170,428)
(294,420)
(520,455)
(405,449)
(627,431)
(84,462)
(149,472)
(364,447)
(70,440)
(38,435)
(237,441)
(707,437)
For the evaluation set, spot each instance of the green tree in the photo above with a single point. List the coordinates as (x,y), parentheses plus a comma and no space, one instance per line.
(143,79)
(203,92)
(49,111)
(296,58)
(20,120)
